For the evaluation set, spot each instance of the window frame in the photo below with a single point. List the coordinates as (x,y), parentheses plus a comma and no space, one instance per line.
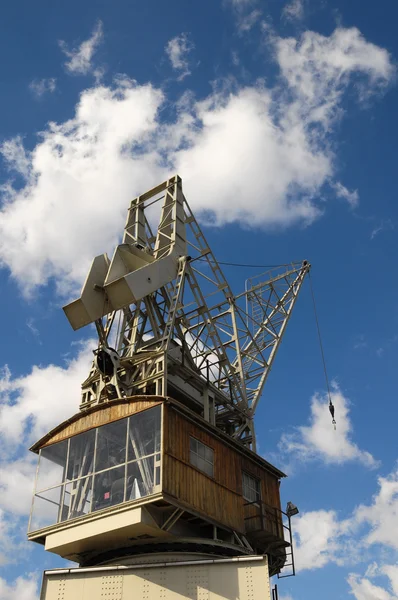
(257,489)
(201,458)
(156,486)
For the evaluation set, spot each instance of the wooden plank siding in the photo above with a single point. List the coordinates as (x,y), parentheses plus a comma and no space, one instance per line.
(219,497)
(101,416)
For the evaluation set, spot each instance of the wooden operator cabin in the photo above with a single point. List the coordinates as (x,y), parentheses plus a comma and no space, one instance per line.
(145,474)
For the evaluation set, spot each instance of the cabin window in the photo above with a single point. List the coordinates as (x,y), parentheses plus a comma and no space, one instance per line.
(201,456)
(251,487)
(99,468)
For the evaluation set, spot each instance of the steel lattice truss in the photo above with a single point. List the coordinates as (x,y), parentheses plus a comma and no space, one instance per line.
(190,336)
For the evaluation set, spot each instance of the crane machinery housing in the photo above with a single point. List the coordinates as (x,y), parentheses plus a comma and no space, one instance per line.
(155,487)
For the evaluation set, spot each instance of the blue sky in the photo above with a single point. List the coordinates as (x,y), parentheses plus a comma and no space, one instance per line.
(281,120)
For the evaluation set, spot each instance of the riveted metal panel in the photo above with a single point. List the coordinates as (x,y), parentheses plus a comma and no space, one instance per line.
(229,579)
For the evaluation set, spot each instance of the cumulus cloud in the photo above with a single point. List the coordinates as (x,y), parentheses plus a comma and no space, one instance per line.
(178,50)
(294,10)
(80,59)
(392,573)
(12,539)
(23,588)
(319,539)
(317,68)
(33,404)
(82,177)
(363,589)
(382,514)
(265,153)
(319,440)
(16,157)
(39,87)
(16,483)
(30,406)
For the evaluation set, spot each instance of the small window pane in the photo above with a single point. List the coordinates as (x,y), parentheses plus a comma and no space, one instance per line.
(201,456)
(193,444)
(208,454)
(109,488)
(157,476)
(111,445)
(52,464)
(144,433)
(251,488)
(140,476)
(46,508)
(77,498)
(81,455)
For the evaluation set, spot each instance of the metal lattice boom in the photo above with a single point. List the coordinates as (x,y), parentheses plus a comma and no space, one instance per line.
(172,325)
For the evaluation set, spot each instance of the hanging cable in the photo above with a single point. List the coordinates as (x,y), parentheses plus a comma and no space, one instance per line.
(229,264)
(331,405)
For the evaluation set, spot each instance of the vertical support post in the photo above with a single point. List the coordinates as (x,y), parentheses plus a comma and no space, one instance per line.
(206,407)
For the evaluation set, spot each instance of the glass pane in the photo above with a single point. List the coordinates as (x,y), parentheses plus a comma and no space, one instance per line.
(109,488)
(208,454)
(140,478)
(144,433)
(81,455)
(77,498)
(157,476)
(193,459)
(201,450)
(46,508)
(207,468)
(251,488)
(52,465)
(193,445)
(111,445)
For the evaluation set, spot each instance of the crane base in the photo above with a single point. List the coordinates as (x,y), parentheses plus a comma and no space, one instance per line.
(243,578)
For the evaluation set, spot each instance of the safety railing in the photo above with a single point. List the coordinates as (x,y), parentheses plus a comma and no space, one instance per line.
(273,523)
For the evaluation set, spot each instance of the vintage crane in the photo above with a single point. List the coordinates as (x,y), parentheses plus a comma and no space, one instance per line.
(161,459)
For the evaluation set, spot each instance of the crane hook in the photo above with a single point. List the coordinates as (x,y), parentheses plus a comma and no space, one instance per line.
(331,410)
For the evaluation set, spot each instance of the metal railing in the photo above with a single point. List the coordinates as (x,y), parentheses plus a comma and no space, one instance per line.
(275,522)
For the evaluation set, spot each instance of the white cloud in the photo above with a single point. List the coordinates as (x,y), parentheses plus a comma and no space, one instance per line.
(363,589)
(39,87)
(318,539)
(32,405)
(13,542)
(17,479)
(16,157)
(247,21)
(319,67)
(294,10)
(385,225)
(342,192)
(73,205)
(177,50)
(319,440)
(80,58)
(265,153)
(382,514)
(240,3)
(23,588)
(392,573)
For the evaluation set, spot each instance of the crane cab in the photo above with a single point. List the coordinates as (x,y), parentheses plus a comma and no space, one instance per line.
(146,475)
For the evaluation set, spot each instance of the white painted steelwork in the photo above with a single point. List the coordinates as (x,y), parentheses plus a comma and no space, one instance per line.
(173,326)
